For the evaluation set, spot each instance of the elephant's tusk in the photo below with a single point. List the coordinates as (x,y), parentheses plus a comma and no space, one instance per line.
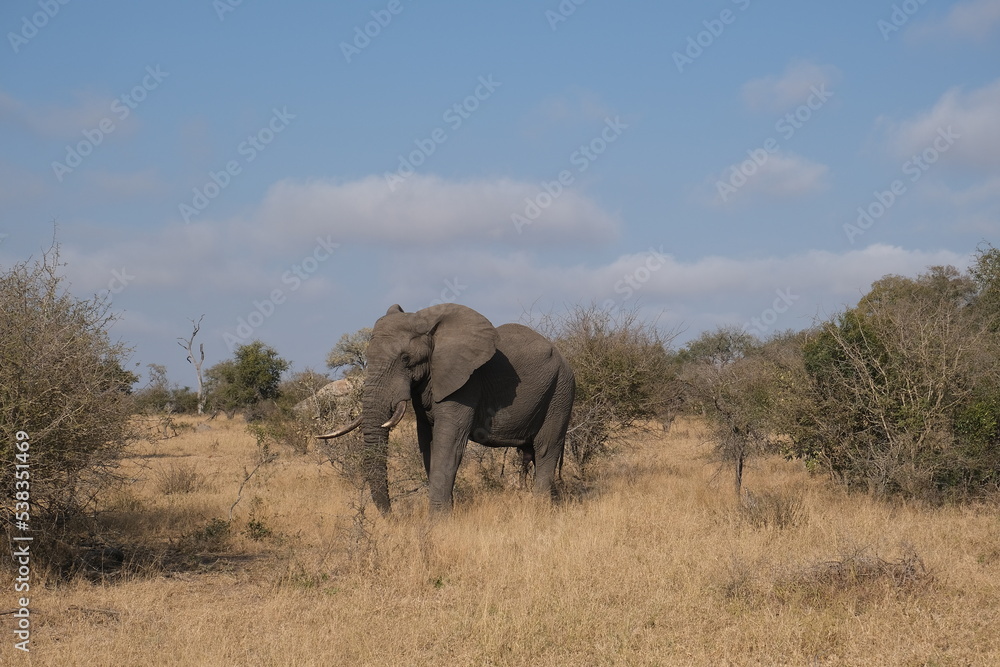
(341,431)
(396,416)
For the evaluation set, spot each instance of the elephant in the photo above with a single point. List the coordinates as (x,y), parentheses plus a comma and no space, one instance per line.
(505,386)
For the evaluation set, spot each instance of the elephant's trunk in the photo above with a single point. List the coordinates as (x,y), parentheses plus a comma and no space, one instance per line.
(374,457)
(375,464)
(375,425)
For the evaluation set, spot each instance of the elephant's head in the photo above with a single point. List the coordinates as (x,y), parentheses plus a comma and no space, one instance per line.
(434,350)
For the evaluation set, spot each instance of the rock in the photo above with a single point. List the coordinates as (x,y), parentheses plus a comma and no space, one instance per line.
(320,402)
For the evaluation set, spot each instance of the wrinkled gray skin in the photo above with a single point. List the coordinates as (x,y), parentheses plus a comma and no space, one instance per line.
(503,386)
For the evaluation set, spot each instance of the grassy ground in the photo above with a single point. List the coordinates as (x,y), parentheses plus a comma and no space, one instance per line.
(653,564)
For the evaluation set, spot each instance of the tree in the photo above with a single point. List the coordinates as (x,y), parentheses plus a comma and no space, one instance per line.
(196,361)
(623,376)
(302,386)
(350,352)
(719,375)
(159,396)
(242,383)
(907,383)
(985,275)
(64,389)
(155,396)
(718,349)
(752,392)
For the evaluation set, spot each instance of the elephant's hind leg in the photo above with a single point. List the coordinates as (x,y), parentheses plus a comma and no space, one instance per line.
(545,475)
(551,438)
(527,458)
(549,445)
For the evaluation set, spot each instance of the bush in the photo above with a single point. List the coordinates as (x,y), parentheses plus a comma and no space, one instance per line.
(300,387)
(896,396)
(212,537)
(62,382)
(180,478)
(770,509)
(860,573)
(159,397)
(276,426)
(746,389)
(623,376)
(294,419)
(906,389)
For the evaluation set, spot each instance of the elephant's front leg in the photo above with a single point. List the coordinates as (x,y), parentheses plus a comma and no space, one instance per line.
(450,436)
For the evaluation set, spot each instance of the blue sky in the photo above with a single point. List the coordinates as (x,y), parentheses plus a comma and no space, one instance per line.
(291,170)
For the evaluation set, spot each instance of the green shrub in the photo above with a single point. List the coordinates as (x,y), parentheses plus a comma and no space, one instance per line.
(905,398)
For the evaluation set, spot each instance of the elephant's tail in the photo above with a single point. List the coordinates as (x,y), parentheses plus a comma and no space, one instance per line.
(559,464)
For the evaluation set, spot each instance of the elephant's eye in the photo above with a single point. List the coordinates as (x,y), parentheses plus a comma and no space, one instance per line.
(405,358)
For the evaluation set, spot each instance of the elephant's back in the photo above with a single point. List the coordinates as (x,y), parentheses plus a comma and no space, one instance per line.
(512,337)
(525,345)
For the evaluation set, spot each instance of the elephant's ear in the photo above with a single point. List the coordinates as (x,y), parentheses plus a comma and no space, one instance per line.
(393,309)
(464,340)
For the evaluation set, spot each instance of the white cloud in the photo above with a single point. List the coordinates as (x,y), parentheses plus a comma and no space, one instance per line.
(215,268)
(984,192)
(704,290)
(781,175)
(974,208)
(258,248)
(225,265)
(185,261)
(792,87)
(428,210)
(971,116)
(176,257)
(814,271)
(974,19)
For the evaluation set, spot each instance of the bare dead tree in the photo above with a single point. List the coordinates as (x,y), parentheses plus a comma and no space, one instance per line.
(197,362)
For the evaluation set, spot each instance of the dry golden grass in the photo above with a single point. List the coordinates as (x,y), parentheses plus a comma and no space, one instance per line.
(655,565)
